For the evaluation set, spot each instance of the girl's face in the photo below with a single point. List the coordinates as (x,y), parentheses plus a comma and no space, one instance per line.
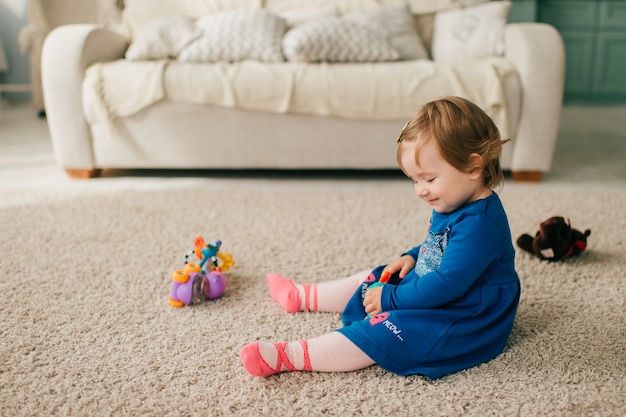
(437,182)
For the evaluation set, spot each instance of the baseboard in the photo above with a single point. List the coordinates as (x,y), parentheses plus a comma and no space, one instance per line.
(14,88)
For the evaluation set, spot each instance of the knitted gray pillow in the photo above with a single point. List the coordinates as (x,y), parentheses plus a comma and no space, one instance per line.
(338,40)
(236,35)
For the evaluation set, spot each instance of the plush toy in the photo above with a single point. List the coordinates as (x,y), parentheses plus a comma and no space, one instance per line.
(555,240)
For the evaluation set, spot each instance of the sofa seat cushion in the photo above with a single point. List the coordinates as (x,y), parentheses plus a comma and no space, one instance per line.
(366,91)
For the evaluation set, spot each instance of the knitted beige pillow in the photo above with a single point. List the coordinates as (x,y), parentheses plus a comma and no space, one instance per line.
(237,35)
(400,26)
(138,13)
(338,40)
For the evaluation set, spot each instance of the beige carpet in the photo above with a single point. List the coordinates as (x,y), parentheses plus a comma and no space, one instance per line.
(86,329)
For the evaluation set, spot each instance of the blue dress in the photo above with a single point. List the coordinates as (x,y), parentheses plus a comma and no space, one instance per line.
(455,309)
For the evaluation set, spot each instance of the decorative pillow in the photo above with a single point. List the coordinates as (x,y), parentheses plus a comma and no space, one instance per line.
(138,13)
(473,32)
(433,6)
(163,38)
(399,24)
(337,40)
(298,17)
(236,35)
(344,6)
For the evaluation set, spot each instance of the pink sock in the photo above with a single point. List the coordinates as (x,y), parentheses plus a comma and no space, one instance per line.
(256,357)
(290,296)
(332,352)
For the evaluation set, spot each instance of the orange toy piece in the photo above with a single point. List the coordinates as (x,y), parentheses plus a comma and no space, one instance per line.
(198,245)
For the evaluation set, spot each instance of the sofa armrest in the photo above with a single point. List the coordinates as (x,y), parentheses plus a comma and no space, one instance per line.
(67,51)
(538,53)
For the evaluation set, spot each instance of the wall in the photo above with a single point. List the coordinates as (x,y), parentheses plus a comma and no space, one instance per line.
(523,11)
(13,17)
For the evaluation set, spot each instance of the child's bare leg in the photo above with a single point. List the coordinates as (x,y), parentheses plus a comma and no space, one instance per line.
(332,352)
(326,296)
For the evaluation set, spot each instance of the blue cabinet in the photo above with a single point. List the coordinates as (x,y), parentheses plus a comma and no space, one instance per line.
(594,33)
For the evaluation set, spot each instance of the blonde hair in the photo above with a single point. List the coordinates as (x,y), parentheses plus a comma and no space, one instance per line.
(460,128)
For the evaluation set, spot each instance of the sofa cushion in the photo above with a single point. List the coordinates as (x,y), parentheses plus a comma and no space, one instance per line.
(338,40)
(236,35)
(367,91)
(400,25)
(163,38)
(472,32)
(433,6)
(138,13)
(343,6)
(298,17)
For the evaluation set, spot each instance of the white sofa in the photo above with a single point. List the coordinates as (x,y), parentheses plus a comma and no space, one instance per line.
(106,111)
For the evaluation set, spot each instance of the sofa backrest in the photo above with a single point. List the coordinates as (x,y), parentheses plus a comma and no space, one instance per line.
(129,16)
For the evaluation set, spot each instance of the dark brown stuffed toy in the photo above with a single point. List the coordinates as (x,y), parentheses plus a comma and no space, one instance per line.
(555,240)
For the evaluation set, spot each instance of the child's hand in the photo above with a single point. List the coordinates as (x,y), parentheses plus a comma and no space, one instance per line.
(371,301)
(403,264)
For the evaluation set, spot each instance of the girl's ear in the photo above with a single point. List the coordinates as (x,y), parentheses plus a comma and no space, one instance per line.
(476,165)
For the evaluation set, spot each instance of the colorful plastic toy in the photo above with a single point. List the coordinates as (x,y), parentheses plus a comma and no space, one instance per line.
(193,284)
(382,281)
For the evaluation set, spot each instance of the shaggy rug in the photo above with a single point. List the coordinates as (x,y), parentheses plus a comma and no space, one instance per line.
(86,328)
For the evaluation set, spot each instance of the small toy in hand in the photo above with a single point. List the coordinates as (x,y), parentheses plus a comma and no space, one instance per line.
(193,284)
(382,281)
(555,240)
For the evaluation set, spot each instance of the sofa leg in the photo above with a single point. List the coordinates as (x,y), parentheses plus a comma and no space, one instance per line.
(527,176)
(82,173)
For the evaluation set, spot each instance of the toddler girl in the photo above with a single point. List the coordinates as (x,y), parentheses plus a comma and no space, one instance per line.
(451,301)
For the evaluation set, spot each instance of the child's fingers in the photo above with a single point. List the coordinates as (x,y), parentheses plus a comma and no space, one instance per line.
(406,268)
(392,268)
(371,301)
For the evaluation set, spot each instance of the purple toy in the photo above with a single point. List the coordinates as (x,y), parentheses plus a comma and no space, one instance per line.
(193,284)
